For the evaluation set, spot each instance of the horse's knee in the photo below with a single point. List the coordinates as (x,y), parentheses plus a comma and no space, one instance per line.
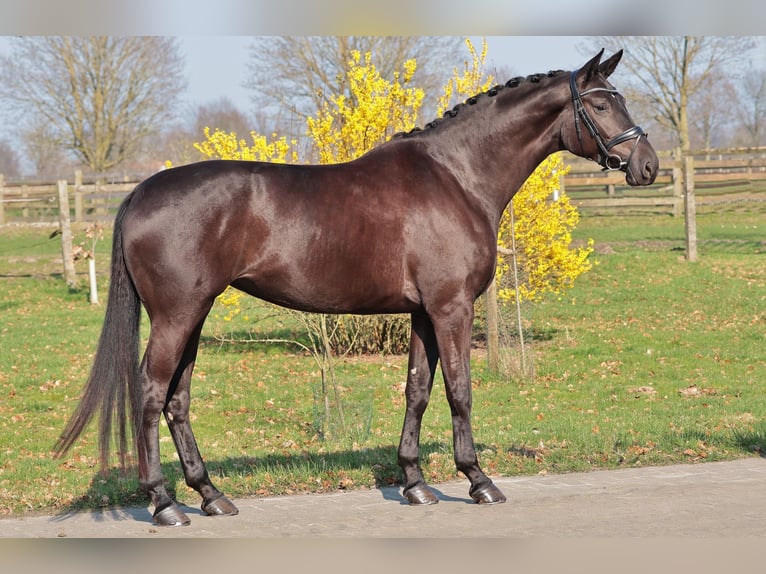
(417,405)
(177,412)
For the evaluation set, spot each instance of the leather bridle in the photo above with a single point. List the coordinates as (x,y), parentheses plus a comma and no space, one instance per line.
(607,160)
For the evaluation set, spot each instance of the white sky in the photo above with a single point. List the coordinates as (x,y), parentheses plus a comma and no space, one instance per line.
(217,66)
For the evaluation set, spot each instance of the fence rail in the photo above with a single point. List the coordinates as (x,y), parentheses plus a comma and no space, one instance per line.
(719,177)
(39,203)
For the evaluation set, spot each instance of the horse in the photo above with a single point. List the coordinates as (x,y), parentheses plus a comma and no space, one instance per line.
(409,227)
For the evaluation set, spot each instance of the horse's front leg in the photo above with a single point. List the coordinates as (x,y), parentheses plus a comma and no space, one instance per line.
(453,334)
(420,377)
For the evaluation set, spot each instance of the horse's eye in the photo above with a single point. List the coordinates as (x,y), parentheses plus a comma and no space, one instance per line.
(601,107)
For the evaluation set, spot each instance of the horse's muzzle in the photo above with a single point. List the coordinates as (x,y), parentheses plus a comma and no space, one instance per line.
(643,165)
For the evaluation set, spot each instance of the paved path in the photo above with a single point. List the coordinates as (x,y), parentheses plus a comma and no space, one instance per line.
(703,500)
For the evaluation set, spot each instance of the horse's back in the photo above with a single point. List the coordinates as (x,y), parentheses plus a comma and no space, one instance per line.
(361,237)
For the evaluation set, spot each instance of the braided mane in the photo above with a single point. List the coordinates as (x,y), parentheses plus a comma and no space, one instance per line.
(473,100)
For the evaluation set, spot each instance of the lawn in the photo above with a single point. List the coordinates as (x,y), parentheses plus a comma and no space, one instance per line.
(648,360)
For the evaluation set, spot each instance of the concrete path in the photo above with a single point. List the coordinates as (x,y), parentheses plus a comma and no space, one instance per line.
(719,499)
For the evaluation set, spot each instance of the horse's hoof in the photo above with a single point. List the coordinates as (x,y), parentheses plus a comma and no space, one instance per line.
(420,495)
(487,494)
(171,516)
(220,506)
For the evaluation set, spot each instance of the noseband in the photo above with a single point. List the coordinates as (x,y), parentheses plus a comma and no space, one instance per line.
(608,161)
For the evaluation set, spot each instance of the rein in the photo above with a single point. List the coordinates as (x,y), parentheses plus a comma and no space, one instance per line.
(608,161)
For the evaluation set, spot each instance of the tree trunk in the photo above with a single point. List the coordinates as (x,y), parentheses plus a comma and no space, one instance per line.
(690,206)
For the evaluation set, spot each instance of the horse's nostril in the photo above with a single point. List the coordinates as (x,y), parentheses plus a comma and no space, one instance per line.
(649,169)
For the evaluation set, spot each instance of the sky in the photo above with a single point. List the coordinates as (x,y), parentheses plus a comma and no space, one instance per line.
(524,37)
(216,66)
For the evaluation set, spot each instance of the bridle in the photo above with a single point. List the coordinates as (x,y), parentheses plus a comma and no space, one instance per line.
(608,161)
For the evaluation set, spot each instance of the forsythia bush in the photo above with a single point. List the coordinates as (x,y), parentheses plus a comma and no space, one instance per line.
(222,145)
(376,109)
(543,227)
(470,82)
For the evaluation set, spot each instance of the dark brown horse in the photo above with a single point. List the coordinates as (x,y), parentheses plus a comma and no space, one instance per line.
(410,227)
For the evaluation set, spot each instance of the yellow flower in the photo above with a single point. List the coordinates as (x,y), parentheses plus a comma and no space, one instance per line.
(373,110)
(543,227)
(222,145)
(471,81)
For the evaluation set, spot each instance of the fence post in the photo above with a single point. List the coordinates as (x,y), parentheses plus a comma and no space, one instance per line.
(78,205)
(678,182)
(2,199)
(690,209)
(78,196)
(67,252)
(493,329)
(25,206)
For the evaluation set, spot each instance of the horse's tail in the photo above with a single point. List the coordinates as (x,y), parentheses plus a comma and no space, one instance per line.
(113,380)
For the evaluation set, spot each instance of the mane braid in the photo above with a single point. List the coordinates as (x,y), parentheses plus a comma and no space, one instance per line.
(473,100)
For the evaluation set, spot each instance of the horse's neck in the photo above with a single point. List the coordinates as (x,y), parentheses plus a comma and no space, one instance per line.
(493,158)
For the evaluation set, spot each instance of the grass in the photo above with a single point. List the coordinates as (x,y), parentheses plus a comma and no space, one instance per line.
(649,360)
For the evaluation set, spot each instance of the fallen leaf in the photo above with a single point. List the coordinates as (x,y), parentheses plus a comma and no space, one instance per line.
(643,390)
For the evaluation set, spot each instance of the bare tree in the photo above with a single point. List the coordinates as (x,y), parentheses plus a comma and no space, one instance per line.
(99,96)
(300,73)
(711,113)
(667,72)
(9,160)
(176,142)
(221,114)
(751,108)
(48,158)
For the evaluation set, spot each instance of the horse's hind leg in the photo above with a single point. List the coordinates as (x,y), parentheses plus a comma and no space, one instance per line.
(177,416)
(421,366)
(161,371)
(157,369)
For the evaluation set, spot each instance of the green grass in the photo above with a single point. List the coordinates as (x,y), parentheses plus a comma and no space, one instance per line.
(649,360)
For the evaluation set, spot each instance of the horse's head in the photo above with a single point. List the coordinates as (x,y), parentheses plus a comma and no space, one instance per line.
(600,127)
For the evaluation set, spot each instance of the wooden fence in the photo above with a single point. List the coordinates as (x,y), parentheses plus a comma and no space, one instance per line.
(719,177)
(39,202)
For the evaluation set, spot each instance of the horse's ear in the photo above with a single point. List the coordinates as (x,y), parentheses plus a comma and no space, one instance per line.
(590,68)
(607,66)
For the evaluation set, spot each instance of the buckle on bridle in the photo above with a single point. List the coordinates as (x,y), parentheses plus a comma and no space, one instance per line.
(612,162)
